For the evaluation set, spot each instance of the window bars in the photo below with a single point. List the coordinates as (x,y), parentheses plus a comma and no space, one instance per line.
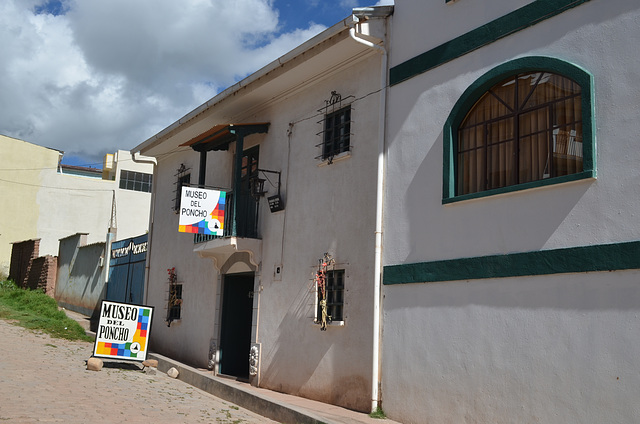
(336,127)
(183,177)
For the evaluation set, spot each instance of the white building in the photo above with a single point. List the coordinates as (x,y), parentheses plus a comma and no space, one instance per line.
(511,242)
(309,125)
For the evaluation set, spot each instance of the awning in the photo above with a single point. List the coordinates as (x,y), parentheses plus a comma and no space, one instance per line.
(220,136)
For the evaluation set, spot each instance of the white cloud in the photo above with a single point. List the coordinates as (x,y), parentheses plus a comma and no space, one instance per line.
(107,74)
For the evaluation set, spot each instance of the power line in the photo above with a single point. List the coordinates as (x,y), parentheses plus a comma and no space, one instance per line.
(56,188)
(178,149)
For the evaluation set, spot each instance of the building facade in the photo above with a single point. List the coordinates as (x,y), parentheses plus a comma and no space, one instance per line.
(294,148)
(511,243)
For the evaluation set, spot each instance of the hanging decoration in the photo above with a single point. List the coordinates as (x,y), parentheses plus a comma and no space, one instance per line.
(321,284)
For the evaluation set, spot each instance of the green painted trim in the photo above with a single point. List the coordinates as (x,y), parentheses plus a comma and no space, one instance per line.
(506,25)
(488,80)
(604,257)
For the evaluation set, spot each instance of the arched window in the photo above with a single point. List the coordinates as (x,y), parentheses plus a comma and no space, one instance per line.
(523,124)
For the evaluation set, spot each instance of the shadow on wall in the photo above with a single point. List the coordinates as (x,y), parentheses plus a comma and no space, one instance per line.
(299,349)
(515,222)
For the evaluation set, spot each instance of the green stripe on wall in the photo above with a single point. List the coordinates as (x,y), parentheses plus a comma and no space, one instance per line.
(513,22)
(603,257)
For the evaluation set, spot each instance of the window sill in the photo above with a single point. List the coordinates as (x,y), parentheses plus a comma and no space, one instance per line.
(174,321)
(540,183)
(337,158)
(332,323)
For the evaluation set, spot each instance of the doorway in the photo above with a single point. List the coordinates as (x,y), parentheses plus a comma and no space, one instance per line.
(237,315)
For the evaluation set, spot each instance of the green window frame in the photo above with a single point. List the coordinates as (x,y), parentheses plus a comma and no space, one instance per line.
(481,86)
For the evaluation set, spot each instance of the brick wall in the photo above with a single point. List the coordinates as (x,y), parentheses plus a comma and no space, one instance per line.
(30,271)
(42,274)
(22,255)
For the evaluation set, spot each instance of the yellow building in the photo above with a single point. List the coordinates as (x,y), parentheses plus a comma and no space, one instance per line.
(24,169)
(45,200)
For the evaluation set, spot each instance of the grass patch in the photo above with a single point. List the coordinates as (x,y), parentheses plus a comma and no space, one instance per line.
(378,413)
(35,310)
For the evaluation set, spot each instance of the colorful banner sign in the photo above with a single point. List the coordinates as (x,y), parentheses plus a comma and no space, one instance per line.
(123,331)
(202,211)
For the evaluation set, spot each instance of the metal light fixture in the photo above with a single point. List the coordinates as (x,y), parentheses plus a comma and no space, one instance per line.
(256,185)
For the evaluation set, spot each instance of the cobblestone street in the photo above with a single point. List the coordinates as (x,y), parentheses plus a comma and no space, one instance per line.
(45,380)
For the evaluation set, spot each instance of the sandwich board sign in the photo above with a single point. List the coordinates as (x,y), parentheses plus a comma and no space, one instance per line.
(123,331)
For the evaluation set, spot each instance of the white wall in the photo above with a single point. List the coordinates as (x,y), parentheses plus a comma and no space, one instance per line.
(548,349)
(574,214)
(188,338)
(558,348)
(328,208)
(72,204)
(132,207)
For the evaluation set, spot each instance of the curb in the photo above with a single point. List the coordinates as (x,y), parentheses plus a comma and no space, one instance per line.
(247,399)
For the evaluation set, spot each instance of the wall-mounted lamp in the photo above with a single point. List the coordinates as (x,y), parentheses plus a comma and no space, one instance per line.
(257,190)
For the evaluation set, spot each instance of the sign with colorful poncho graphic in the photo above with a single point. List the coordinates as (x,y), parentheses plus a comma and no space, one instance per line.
(202,211)
(123,331)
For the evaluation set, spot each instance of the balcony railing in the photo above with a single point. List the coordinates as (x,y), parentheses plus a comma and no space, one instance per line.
(246,219)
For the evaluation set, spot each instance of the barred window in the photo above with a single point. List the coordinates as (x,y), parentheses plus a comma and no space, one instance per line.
(183,179)
(334,292)
(337,133)
(136,181)
(175,302)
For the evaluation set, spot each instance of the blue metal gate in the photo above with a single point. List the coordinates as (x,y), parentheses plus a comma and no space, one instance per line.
(126,270)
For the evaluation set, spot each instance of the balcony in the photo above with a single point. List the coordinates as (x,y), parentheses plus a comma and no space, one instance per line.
(241,237)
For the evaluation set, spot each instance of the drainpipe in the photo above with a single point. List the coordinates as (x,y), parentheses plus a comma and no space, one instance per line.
(358,15)
(154,184)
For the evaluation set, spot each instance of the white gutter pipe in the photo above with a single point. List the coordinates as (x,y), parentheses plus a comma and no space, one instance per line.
(147,265)
(377,279)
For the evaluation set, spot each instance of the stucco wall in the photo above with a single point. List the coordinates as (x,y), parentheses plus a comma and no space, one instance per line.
(24,167)
(72,204)
(533,349)
(329,208)
(554,348)
(574,214)
(132,207)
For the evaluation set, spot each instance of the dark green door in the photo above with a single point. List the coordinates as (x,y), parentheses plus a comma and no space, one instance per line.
(237,313)
(247,216)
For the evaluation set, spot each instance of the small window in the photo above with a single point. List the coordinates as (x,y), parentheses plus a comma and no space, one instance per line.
(183,177)
(336,127)
(337,133)
(334,295)
(175,302)
(135,181)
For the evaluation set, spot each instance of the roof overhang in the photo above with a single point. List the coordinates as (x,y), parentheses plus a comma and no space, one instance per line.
(220,136)
(319,58)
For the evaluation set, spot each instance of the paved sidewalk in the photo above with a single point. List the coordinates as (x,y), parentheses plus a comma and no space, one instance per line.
(45,380)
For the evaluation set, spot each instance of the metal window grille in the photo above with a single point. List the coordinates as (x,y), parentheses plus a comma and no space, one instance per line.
(175,302)
(183,177)
(335,295)
(336,127)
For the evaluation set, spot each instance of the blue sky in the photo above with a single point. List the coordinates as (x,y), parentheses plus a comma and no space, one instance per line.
(89,77)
